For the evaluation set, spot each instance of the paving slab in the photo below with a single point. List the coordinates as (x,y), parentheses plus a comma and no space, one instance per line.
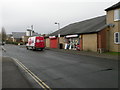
(86,53)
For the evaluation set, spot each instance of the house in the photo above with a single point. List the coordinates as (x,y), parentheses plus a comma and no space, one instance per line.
(113,34)
(29,33)
(8,38)
(96,34)
(17,36)
(23,36)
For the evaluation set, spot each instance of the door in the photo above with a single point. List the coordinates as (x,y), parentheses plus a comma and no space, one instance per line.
(39,42)
(53,43)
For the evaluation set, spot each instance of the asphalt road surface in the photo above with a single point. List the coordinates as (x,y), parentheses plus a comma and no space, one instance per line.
(62,70)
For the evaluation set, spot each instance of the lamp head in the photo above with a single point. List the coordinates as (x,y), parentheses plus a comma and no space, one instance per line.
(56,23)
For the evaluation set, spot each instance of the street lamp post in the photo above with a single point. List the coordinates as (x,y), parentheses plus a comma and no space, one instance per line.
(58,32)
(58,28)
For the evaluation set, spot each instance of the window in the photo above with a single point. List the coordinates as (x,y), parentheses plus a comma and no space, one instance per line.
(117,37)
(116,14)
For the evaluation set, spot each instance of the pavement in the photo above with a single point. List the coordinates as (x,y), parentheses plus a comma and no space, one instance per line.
(0,71)
(86,53)
(12,76)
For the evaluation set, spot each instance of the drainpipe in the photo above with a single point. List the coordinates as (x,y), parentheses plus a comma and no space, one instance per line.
(111,26)
(58,33)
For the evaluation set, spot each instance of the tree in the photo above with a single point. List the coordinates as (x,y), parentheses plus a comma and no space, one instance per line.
(3,34)
(0,36)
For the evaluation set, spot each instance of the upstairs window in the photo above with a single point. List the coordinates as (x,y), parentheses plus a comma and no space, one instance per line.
(117,37)
(117,15)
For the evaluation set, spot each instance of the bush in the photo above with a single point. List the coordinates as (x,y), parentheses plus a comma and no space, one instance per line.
(16,43)
(9,42)
(22,43)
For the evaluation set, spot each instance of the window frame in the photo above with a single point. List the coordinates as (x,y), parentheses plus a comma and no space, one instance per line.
(117,15)
(117,37)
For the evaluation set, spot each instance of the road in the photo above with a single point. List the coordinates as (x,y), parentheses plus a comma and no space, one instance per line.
(0,68)
(62,70)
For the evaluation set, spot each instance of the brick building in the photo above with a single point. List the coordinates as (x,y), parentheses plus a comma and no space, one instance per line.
(98,34)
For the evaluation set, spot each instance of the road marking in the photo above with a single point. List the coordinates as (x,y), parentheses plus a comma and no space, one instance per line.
(38,80)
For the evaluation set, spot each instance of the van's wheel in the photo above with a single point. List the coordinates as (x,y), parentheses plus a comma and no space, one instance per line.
(27,48)
(33,48)
(41,49)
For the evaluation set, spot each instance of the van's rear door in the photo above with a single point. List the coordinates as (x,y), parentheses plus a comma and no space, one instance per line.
(39,42)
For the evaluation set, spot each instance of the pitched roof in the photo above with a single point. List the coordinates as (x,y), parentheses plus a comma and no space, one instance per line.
(88,26)
(115,6)
(18,34)
(9,35)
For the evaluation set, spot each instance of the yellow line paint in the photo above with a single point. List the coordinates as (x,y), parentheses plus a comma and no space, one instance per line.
(38,80)
(37,77)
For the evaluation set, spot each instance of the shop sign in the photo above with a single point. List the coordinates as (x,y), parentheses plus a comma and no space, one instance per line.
(70,36)
(52,37)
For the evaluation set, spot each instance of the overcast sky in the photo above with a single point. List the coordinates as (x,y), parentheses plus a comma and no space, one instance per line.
(17,15)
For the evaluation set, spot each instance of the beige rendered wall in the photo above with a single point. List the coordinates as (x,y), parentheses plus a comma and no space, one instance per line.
(90,42)
(62,40)
(47,41)
(111,46)
(25,38)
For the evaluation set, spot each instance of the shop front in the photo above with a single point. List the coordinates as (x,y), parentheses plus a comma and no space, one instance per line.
(72,42)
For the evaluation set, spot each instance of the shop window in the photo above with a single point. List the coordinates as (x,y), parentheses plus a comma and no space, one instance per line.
(117,37)
(117,15)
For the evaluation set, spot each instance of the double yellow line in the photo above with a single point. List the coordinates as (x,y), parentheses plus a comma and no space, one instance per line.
(37,80)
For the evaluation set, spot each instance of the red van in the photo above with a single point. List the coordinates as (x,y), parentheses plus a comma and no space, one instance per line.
(36,42)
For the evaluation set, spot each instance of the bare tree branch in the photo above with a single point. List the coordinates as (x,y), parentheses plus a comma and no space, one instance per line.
(3,34)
